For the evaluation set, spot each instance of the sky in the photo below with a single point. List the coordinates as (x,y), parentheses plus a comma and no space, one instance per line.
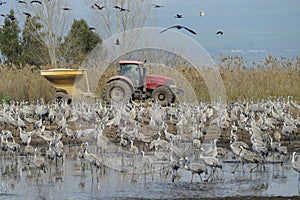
(270,26)
(251,27)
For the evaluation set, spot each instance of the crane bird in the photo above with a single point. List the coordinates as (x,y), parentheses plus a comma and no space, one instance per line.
(93,160)
(219,32)
(213,163)
(28,150)
(66,8)
(296,165)
(235,147)
(27,14)
(50,154)
(195,168)
(121,9)
(134,149)
(251,157)
(178,16)
(24,136)
(169,136)
(35,1)
(117,42)
(39,162)
(276,147)
(158,6)
(59,153)
(21,123)
(20,1)
(95,5)
(12,146)
(180,27)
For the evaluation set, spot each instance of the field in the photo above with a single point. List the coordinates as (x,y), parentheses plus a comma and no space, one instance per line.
(275,81)
(261,80)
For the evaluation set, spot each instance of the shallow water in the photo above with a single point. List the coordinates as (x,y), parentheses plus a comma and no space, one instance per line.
(72,181)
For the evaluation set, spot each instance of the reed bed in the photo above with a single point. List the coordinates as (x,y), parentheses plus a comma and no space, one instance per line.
(23,83)
(271,77)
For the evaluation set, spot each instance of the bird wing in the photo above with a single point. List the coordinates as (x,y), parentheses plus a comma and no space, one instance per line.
(36,2)
(97,6)
(101,7)
(28,14)
(190,30)
(168,28)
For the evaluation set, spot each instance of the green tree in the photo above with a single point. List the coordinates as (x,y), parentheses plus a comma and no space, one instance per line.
(79,42)
(10,39)
(34,51)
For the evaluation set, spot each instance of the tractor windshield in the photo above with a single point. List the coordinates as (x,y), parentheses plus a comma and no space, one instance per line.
(131,71)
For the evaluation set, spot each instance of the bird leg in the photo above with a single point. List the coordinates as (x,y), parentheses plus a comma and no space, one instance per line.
(192,177)
(254,168)
(235,167)
(206,180)
(200,177)
(97,175)
(91,166)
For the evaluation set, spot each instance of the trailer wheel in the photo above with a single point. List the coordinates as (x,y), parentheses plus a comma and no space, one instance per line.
(163,95)
(117,91)
(61,97)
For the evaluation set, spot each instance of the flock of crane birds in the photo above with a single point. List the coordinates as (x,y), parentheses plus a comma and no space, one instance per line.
(149,138)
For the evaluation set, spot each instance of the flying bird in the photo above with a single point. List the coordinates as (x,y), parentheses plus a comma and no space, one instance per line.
(219,33)
(66,8)
(201,14)
(97,6)
(2,15)
(92,28)
(12,18)
(20,1)
(158,6)
(117,42)
(2,2)
(35,1)
(178,16)
(180,27)
(121,9)
(27,14)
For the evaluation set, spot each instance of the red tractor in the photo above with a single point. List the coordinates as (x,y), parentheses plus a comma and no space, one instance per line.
(134,83)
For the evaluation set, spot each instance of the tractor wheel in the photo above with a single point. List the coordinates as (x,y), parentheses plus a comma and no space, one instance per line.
(117,91)
(163,95)
(61,97)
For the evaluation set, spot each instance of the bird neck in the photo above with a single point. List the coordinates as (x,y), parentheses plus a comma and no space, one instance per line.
(293,158)
(131,143)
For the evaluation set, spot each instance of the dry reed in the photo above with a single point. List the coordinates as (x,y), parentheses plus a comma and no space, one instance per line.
(271,77)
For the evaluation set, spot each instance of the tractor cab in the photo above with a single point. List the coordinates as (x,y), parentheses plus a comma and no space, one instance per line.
(135,71)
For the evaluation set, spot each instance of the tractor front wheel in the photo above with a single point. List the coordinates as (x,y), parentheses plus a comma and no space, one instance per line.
(117,91)
(163,95)
(61,97)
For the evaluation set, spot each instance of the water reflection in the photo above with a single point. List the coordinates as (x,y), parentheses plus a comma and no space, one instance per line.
(73,180)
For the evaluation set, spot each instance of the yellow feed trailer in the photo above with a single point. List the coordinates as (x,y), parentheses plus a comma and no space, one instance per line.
(64,80)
